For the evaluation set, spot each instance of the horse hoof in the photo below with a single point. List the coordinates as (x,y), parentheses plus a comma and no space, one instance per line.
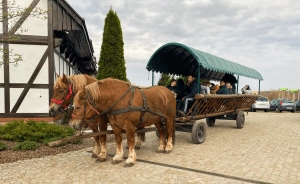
(114,162)
(94,155)
(167,152)
(137,147)
(101,159)
(160,151)
(128,164)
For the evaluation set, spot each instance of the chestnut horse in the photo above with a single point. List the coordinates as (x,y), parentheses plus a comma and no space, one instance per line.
(127,108)
(64,90)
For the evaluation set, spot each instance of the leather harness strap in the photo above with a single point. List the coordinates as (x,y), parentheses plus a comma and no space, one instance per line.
(143,108)
(130,108)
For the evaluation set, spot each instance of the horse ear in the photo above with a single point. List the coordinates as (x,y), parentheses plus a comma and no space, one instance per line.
(57,76)
(65,79)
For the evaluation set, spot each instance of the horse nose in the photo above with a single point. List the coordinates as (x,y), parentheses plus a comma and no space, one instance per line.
(52,111)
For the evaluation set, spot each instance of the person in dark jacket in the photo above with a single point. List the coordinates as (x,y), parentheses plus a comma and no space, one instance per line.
(191,91)
(180,89)
(173,87)
(223,88)
(229,88)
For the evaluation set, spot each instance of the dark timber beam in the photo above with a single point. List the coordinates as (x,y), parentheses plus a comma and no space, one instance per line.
(23,115)
(31,80)
(23,85)
(6,58)
(23,17)
(29,39)
(50,50)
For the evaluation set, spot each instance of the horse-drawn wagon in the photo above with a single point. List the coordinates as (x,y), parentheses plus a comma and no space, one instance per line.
(178,59)
(131,108)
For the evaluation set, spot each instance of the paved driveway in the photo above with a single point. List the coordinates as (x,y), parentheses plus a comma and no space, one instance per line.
(266,150)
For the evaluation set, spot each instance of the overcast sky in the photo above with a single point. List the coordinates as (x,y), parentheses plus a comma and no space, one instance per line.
(261,34)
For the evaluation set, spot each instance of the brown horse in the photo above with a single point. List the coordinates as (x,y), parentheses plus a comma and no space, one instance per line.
(127,108)
(64,90)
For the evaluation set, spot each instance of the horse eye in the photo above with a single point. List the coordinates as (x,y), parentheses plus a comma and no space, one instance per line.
(61,90)
(78,107)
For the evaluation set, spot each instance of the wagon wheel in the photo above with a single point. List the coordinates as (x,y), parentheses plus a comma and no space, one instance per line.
(210,121)
(198,132)
(240,119)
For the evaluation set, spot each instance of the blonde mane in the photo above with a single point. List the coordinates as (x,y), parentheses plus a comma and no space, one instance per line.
(78,81)
(94,87)
(94,90)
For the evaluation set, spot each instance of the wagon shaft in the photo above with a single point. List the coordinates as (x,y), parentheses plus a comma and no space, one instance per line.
(214,105)
(88,135)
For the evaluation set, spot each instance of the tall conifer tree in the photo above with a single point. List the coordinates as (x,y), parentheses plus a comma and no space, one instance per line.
(112,62)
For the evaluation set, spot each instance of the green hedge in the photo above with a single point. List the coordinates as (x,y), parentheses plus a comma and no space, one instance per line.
(34,131)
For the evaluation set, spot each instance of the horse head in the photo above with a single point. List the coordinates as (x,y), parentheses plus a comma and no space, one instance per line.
(61,95)
(84,109)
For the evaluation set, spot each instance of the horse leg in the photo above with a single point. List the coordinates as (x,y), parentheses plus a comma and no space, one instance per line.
(140,137)
(169,130)
(130,161)
(160,129)
(118,137)
(103,153)
(96,149)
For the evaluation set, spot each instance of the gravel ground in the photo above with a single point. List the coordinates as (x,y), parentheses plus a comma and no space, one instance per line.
(9,155)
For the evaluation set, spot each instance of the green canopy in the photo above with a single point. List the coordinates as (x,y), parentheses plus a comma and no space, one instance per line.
(179,59)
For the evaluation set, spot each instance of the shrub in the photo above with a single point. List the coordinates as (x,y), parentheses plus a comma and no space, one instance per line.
(34,131)
(3,146)
(26,145)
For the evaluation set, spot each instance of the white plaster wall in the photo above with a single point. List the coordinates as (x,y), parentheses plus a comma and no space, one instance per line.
(36,100)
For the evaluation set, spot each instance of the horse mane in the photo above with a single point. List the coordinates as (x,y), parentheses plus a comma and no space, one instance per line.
(78,81)
(93,88)
(94,91)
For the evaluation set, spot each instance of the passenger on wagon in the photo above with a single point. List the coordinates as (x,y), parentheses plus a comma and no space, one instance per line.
(172,87)
(229,88)
(205,89)
(223,88)
(180,89)
(191,89)
(246,90)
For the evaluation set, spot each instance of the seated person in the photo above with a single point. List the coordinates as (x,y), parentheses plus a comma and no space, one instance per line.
(180,89)
(223,88)
(172,87)
(191,92)
(246,90)
(214,88)
(229,88)
(204,88)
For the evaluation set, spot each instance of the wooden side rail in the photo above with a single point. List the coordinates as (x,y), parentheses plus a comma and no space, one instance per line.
(215,105)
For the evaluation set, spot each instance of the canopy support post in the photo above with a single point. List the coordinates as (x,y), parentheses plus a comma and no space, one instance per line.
(198,86)
(237,85)
(152,78)
(259,87)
